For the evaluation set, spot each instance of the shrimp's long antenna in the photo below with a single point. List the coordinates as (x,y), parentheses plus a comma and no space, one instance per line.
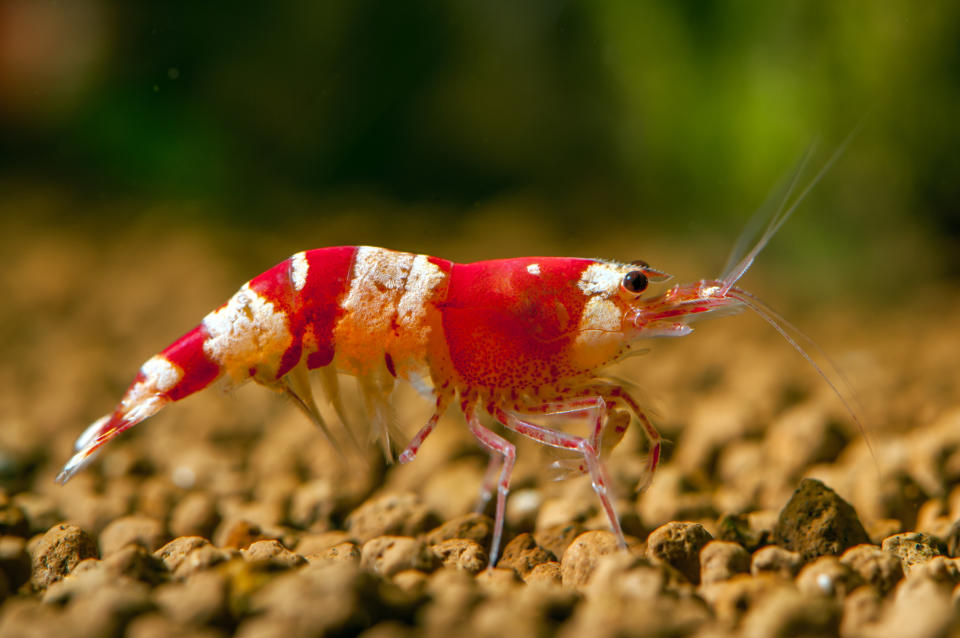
(737,271)
(829,372)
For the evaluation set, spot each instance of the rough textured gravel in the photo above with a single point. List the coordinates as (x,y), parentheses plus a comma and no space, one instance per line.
(228,515)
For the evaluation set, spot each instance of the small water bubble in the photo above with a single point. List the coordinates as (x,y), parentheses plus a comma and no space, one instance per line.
(173,73)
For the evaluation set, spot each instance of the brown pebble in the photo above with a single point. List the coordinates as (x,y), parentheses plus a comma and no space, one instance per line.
(737,529)
(786,613)
(498,581)
(722,560)
(320,542)
(523,554)
(939,569)
(345,552)
(194,515)
(14,561)
(58,552)
(827,576)
(13,522)
(816,522)
(312,504)
(134,562)
(174,552)
(581,557)
(272,552)
(154,625)
(199,600)
(390,515)
(777,560)
(545,574)
(203,557)
(913,548)
(860,608)
(679,544)
(557,539)
(40,511)
(387,555)
(142,530)
(731,598)
(460,553)
(474,527)
(238,534)
(879,569)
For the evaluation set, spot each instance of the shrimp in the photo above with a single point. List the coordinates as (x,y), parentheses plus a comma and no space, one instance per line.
(514,339)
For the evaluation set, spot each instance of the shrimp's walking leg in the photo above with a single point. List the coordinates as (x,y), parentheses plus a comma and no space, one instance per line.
(555,438)
(613,394)
(410,452)
(498,447)
(489,482)
(296,385)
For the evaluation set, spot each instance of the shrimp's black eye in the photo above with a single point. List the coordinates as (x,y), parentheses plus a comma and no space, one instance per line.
(635,281)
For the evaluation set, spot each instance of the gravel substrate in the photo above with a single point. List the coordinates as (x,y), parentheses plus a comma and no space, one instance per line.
(229,515)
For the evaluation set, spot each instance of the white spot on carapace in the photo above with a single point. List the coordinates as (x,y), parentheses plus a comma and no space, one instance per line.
(533,269)
(248,332)
(601,279)
(161,373)
(299,267)
(601,314)
(600,335)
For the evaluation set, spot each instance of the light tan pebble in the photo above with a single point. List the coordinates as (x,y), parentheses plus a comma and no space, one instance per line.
(316,543)
(545,574)
(14,561)
(660,616)
(921,607)
(523,507)
(195,515)
(861,608)
(880,528)
(273,552)
(389,629)
(952,539)
(387,555)
(678,544)
(106,610)
(135,562)
(775,559)
(58,552)
(827,576)
(668,499)
(581,557)
(623,575)
(556,539)
(157,497)
(142,530)
(879,569)
(786,612)
(462,554)
(201,558)
(201,599)
(523,554)
(474,527)
(913,548)
(412,580)
(556,512)
(498,581)
(238,534)
(390,514)
(40,511)
(313,503)
(939,569)
(345,552)
(23,617)
(174,552)
(721,560)
(154,625)
(933,518)
(731,599)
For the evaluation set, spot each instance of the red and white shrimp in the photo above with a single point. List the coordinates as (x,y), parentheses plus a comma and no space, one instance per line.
(512,338)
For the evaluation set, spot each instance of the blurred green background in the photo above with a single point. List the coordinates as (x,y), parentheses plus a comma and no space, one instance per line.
(509,127)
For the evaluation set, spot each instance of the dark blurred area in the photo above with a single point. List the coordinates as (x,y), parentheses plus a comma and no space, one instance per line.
(605,119)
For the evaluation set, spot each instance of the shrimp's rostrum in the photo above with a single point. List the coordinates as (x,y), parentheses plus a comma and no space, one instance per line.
(512,338)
